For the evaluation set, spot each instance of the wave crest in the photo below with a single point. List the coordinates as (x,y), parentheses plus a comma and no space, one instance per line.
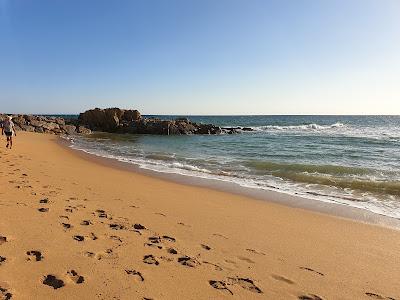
(303,127)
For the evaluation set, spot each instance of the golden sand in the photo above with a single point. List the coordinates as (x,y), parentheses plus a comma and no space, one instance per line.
(67,231)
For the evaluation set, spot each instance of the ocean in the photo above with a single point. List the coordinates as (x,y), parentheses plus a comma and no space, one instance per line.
(350,160)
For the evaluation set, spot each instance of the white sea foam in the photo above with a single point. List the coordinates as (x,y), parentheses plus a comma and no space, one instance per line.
(303,127)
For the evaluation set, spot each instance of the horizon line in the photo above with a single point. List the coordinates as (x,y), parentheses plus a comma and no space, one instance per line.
(213,115)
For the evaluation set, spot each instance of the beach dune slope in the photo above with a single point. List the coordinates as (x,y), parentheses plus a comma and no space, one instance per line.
(72,228)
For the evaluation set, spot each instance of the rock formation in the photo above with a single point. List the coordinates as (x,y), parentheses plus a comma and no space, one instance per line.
(131,121)
(115,120)
(42,124)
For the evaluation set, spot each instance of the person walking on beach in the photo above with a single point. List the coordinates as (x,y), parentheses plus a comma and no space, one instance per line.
(8,129)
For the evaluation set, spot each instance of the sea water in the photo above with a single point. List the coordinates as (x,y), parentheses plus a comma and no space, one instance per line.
(351,160)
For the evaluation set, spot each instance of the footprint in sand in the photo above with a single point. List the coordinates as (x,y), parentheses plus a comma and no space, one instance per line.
(86,222)
(245,283)
(246,259)
(153,245)
(220,285)
(116,238)
(164,258)
(172,251)
(188,261)
(75,277)
(310,297)
(159,239)
(205,247)
(53,281)
(377,296)
(183,224)
(220,235)
(138,227)
(217,267)
(135,273)
(155,239)
(229,261)
(3,239)
(5,294)
(2,260)
(66,225)
(101,213)
(255,251)
(89,254)
(34,255)
(107,254)
(117,227)
(43,209)
(150,260)
(78,238)
(168,238)
(44,201)
(281,278)
(71,209)
(311,270)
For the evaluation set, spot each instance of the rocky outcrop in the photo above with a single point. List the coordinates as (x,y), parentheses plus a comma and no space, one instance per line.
(42,124)
(130,121)
(108,120)
(115,120)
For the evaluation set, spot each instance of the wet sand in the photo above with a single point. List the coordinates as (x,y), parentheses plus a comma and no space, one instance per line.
(71,228)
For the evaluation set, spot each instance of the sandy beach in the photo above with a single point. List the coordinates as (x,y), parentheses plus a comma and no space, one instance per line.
(71,228)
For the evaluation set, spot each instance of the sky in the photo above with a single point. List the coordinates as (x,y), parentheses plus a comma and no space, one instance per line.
(208,57)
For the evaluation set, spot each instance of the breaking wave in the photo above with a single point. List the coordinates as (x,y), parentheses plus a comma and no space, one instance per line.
(303,127)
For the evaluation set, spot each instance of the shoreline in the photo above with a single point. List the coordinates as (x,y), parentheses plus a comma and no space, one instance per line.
(73,228)
(339,210)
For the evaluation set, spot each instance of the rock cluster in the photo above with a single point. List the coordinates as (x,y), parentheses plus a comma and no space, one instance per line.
(131,121)
(42,124)
(115,120)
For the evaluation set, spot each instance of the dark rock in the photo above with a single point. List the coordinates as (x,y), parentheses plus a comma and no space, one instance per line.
(39,129)
(84,130)
(115,120)
(19,120)
(29,118)
(208,129)
(130,121)
(49,126)
(68,129)
(131,116)
(102,119)
(60,121)
(27,128)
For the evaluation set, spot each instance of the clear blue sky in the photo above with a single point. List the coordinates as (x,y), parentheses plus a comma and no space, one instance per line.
(201,57)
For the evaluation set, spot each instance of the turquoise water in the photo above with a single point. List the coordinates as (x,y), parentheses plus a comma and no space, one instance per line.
(353,160)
